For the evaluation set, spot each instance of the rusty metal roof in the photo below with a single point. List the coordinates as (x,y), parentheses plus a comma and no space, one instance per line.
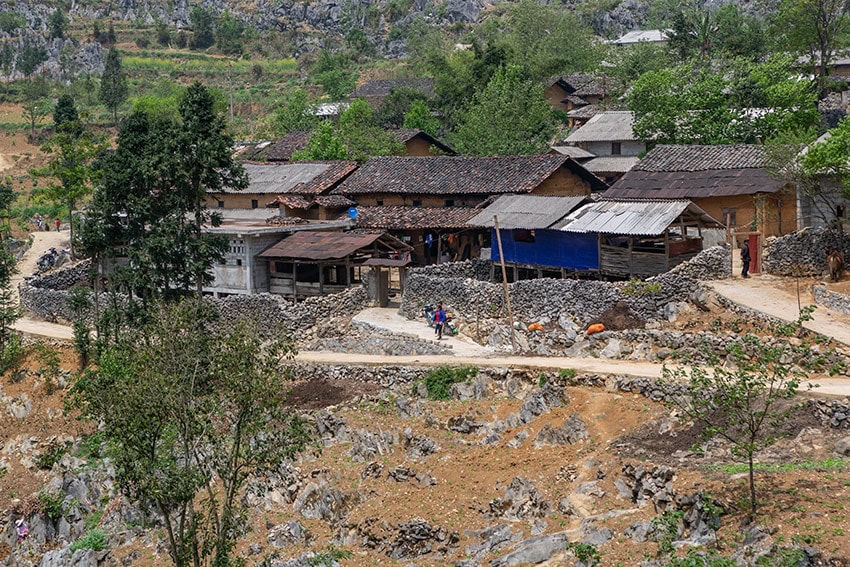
(320,245)
(526,211)
(637,218)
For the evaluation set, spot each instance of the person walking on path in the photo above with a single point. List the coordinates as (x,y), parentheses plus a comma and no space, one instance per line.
(58,224)
(745,259)
(439,320)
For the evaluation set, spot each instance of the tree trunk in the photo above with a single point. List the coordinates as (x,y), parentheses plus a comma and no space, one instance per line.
(752,488)
(71,228)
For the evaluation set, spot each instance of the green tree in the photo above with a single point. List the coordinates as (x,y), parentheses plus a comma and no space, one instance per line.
(202,27)
(10,346)
(65,115)
(631,61)
(324,144)
(57,23)
(390,114)
(826,157)
(362,136)
(742,403)
(71,171)
(192,409)
(228,33)
(35,110)
(740,34)
(296,112)
(30,57)
(334,72)
(511,116)
(420,117)
(113,84)
(815,29)
(748,102)
(163,34)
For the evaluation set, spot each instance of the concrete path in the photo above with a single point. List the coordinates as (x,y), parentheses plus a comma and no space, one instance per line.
(388,318)
(765,293)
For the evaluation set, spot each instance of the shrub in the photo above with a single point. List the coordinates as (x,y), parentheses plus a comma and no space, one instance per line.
(51,505)
(439,381)
(50,457)
(142,42)
(585,553)
(93,539)
(568,373)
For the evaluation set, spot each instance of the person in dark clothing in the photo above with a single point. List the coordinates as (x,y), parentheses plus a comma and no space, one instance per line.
(745,259)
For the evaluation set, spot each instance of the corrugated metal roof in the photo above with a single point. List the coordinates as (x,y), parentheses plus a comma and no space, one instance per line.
(319,245)
(574,152)
(611,164)
(637,218)
(527,211)
(605,126)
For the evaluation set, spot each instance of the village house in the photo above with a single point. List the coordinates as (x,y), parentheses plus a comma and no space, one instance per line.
(427,202)
(822,201)
(610,138)
(579,95)
(657,37)
(248,233)
(729,182)
(561,236)
(416,143)
(268,181)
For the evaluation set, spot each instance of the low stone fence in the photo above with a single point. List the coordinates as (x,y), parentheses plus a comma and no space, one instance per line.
(831,299)
(803,252)
(46,298)
(581,300)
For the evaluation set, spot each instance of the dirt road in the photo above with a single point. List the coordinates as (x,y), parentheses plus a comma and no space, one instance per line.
(766,294)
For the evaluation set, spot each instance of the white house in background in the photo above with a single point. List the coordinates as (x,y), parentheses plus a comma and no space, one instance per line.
(822,203)
(610,137)
(643,36)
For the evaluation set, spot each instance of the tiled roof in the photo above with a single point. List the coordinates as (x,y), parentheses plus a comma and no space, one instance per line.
(611,164)
(604,127)
(444,175)
(302,202)
(574,152)
(404,135)
(336,172)
(576,100)
(281,149)
(303,177)
(293,201)
(285,221)
(703,158)
(584,112)
(693,184)
(333,201)
(382,87)
(402,218)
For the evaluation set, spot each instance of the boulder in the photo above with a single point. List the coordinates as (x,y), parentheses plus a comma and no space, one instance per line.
(287,534)
(842,446)
(534,550)
(521,501)
(572,431)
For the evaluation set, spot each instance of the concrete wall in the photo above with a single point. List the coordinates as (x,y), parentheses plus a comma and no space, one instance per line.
(819,209)
(242,271)
(239,200)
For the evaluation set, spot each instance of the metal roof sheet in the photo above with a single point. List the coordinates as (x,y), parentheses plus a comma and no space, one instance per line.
(320,245)
(280,178)
(527,211)
(637,218)
(574,152)
(611,164)
(636,36)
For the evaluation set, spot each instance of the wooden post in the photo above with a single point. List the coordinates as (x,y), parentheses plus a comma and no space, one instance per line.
(294,281)
(505,282)
(731,242)
(321,279)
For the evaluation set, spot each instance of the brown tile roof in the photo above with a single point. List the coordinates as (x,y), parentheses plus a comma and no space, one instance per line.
(333,201)
(411,218)
(445,175)
(337,171)
(404,135)
(588,111)
(278,220)
(576,100)
(293,201)
(319,245)
(281,149)
(690,172)
(382,87)
(702,158)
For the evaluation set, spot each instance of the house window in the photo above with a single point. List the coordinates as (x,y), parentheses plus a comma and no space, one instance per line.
(417,203)
(238,262)
(379,203)
(450,202)
(729,217)
(221,204)
(254,204)
(615,148)
(523,235)
(840,211)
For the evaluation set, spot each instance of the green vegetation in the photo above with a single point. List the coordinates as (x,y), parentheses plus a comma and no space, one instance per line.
(742,403)
(51,505)
(329,557)
(93,539)
(831,464)
(587,554)
(639,287)
(438,382)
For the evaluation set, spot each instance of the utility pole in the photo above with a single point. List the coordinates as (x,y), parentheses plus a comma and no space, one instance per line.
(505,283)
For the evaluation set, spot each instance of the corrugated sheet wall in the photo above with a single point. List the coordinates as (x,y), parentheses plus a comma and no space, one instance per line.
(554,248)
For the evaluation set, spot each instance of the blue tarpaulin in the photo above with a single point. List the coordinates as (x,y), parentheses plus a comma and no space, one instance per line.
(553,248)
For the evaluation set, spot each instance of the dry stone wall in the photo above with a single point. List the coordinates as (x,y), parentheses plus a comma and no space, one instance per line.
(549,299)
(803,252)
(831,299)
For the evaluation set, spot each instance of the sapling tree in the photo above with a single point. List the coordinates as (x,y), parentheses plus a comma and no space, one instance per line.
(744,403)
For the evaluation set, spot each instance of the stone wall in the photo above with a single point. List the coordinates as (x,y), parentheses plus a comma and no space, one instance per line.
(804,251)
(549,299)
(475,268)
(831,299)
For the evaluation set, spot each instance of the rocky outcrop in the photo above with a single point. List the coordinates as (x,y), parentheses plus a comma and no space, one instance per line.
(522,501)
(643,485)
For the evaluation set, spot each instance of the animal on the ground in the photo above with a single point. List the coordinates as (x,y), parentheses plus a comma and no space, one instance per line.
(835,261)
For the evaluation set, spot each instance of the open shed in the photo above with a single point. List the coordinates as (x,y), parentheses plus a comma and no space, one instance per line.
(319,262)
(641,238)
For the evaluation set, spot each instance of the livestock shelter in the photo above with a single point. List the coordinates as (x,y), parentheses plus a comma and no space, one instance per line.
(321,262)
(531,244)
(641,238)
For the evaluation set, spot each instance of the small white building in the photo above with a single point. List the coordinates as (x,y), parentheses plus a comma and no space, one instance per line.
(643,36)
(610,137)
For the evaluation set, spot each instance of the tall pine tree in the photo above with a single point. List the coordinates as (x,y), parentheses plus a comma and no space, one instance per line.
(113,84)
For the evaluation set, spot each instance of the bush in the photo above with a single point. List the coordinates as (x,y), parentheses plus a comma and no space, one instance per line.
(51,505)
(142,42)
(93,539)
(439,381)
(50,457)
